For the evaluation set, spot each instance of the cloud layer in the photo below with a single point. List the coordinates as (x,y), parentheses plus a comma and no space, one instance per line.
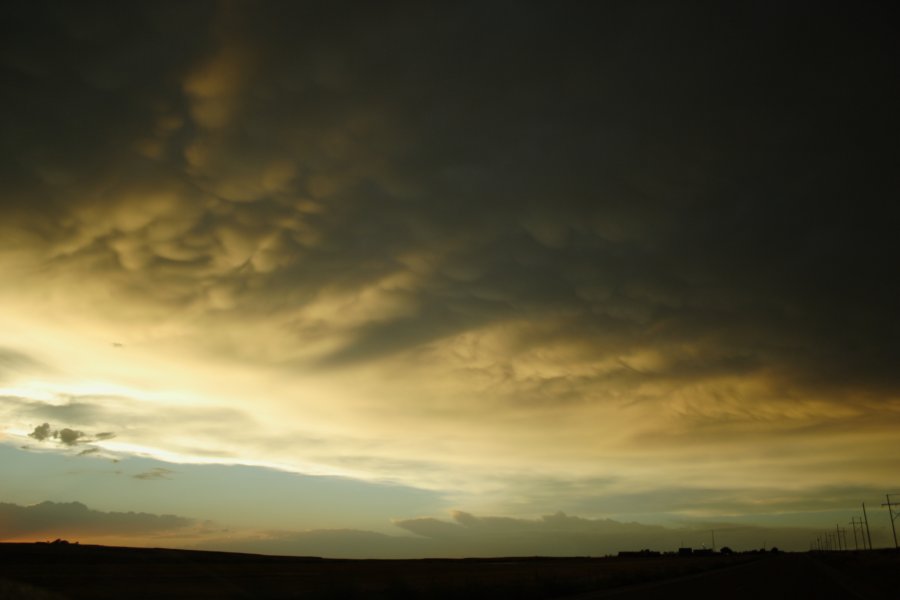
(75,519)
(552,535)
(465,535)
(469,248)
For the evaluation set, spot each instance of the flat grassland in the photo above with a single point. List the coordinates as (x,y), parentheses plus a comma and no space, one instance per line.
(54,571)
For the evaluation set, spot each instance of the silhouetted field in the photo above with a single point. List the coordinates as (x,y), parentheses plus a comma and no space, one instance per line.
(45,571)
(802,576)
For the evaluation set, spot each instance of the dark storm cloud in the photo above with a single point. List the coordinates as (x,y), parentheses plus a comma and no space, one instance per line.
(73,518)
(726,201)
(704,193)
(707,183)
(80,80)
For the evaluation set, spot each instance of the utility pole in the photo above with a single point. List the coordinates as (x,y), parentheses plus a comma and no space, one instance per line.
(868,533)
(837,528)
(855,539)
(842,535)
(713,531)
(890,506)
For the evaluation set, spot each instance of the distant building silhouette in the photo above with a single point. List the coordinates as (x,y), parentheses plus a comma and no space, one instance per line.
(646,553)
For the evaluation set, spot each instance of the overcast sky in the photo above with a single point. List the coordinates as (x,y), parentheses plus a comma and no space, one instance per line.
(303,266)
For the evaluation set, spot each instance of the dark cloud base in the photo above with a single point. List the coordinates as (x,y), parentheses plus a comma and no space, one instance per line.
(665,176)
(680,207)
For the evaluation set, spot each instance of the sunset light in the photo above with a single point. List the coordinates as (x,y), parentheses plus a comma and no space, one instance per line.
(404,280)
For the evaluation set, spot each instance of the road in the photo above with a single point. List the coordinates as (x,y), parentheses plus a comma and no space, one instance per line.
(794,577)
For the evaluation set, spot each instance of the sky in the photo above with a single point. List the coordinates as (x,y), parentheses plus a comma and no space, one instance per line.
(383,279)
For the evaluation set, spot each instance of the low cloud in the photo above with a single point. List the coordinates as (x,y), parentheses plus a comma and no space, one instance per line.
(41,432)
(468,535)
(67,436)
(462,535)
(53,519)
(564,535)
(157,473)
(74,421)
(557,534)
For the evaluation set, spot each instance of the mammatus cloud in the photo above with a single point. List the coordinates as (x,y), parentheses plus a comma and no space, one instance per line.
(75,519)
(631,243)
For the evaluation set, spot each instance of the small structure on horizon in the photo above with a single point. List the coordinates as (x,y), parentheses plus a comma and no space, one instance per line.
(645,553)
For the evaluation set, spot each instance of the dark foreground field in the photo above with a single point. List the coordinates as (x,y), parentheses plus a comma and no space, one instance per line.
(43,571)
